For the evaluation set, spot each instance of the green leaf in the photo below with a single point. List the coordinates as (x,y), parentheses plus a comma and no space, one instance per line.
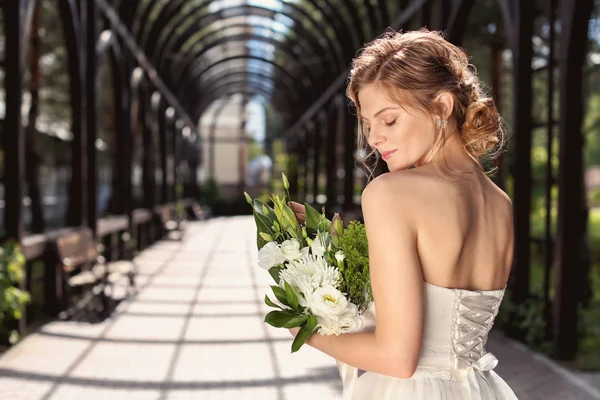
(304,333)
(263,225)
(291,296)
(274,272)
(285,319)
(290,220)
(270,303)
(313,219)
(280,294)
(263,208)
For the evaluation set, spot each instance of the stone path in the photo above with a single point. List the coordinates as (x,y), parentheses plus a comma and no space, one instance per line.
(195,331)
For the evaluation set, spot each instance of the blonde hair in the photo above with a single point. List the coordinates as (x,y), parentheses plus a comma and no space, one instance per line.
(420,65)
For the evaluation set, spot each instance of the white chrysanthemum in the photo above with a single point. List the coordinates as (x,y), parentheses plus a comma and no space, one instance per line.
(347,323)
(308,274)
(270,255)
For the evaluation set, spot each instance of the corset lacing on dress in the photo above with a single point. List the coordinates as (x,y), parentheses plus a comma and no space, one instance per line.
(473,317)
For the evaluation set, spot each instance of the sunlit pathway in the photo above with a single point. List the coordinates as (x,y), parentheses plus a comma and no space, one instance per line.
(195,331)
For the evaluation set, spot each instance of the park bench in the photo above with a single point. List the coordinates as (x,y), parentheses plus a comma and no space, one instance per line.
(82,282)
(173,224)
(195,211)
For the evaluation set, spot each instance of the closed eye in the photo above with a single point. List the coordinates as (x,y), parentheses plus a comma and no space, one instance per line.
(391,123)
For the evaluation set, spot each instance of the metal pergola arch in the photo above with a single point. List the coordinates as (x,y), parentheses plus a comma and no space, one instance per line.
(294,43)
(281,80)
(259,77)
(230,87)
(290,58)
(175,7)
(261,12)
(239,57)
(163,47)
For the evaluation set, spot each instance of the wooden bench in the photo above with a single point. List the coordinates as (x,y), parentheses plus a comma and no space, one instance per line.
(195,211)
(171,222)
(79,270)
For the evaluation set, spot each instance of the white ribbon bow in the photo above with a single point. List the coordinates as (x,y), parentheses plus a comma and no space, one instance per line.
(486,363)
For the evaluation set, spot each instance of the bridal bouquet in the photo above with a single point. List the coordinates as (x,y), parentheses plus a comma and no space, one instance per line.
(320,268)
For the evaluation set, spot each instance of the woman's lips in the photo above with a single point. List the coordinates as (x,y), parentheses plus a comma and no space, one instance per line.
(387,155)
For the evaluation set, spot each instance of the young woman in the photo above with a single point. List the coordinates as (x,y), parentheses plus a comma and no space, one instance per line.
(440,231)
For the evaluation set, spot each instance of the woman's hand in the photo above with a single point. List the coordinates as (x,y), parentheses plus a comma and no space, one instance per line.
(299,210)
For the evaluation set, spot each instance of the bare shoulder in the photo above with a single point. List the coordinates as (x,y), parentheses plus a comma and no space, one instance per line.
(504,199)
(396,189)
(416,181)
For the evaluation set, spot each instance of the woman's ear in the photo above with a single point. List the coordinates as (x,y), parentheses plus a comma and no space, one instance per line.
(446,103)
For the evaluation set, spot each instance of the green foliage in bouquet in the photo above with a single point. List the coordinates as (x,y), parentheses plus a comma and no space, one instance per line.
(292,317)
(278,223)
(355,269)
(12,299)
(345,248)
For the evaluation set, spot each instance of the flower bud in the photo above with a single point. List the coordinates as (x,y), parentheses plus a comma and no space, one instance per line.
(266,237)
(248,198)
(286,183)
(336,229)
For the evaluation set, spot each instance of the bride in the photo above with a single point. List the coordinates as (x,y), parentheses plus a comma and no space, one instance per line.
(440,231)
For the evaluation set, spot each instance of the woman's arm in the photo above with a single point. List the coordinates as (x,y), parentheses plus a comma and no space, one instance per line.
(394,347)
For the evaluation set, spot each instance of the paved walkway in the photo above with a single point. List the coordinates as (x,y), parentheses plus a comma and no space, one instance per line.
(195,331)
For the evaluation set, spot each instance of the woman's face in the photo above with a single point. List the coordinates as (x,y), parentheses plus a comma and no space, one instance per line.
(401,134)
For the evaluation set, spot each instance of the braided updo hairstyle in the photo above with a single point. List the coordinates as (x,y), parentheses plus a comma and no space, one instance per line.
(422,64)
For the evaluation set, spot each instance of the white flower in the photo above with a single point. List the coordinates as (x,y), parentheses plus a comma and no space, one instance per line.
(305,251)
(328,302)
(334,313)
(339,256)
(317,247)
(291,249)
(270,255)
(308,274)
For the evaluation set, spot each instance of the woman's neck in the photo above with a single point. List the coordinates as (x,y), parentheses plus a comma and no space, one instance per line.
(453,156)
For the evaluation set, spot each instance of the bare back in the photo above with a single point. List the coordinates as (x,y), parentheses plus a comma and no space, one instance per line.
(464,229)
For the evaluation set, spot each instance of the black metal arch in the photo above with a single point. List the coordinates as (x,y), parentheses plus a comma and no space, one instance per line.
(173,30)
(164,46)
(248,10)
(251,80)
(290,45)
(459,16)
(240,86)
(107,42)
(175,6)
(288,84)
(189,77)
(241,57)
(249,74)
(169,12)
(300,41)
(274,94)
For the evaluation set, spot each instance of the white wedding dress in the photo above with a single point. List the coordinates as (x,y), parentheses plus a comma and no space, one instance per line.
(454,364)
